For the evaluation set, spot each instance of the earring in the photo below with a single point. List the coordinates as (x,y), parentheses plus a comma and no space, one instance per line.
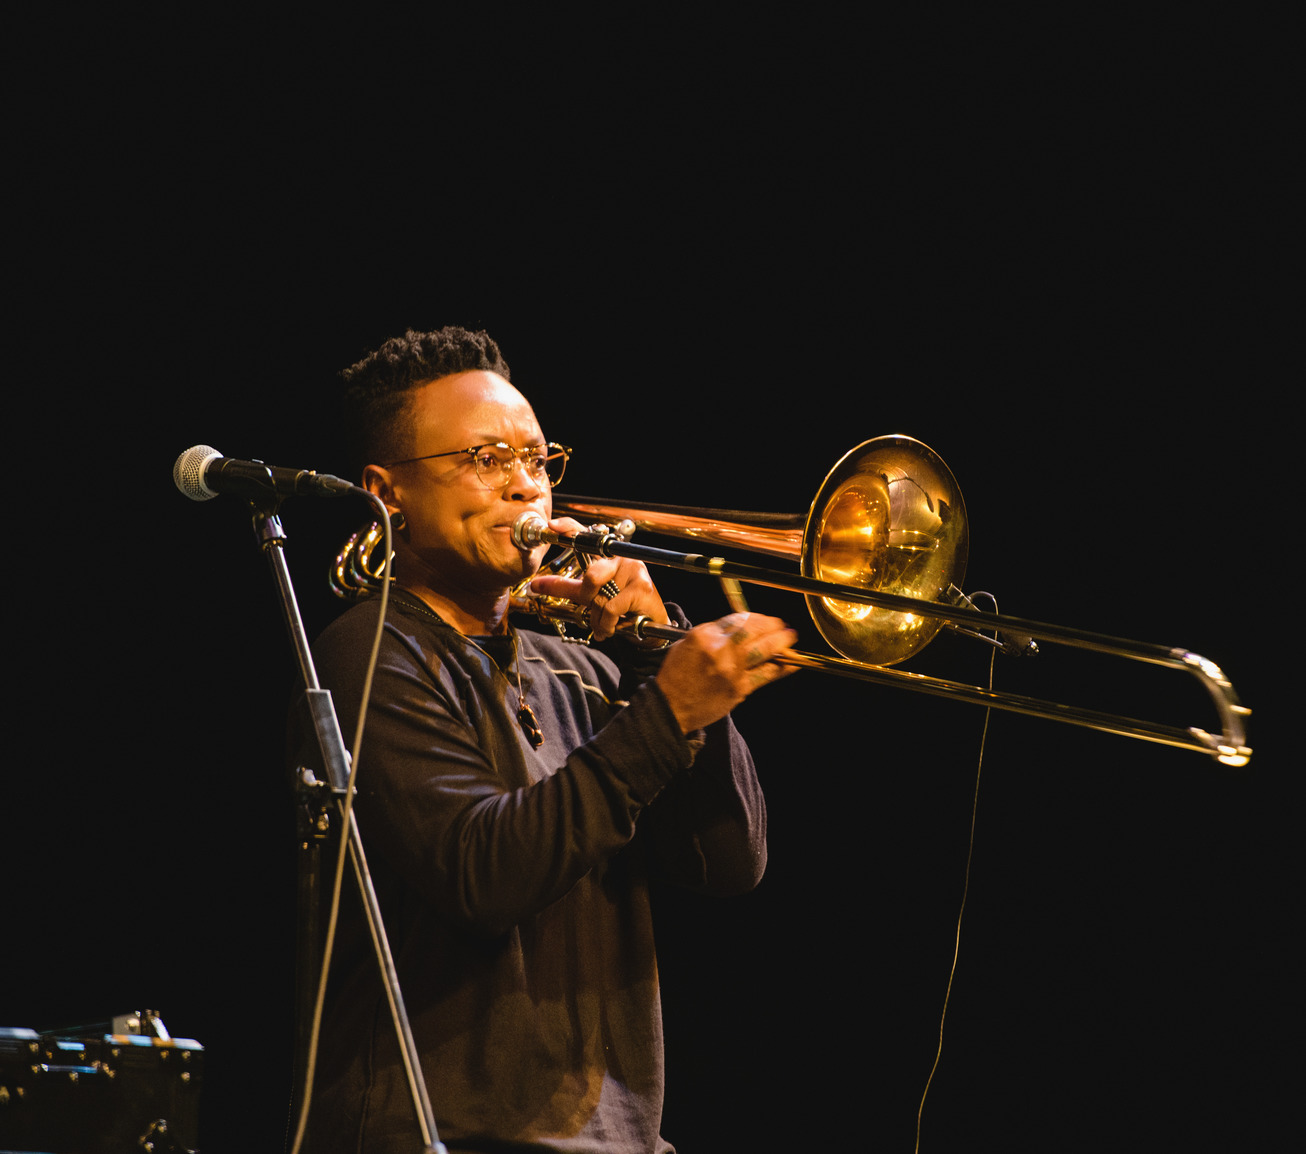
(398,522)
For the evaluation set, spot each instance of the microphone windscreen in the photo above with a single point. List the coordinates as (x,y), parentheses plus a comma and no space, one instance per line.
(188,472)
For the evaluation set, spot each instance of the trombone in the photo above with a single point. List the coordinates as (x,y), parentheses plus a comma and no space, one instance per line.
(881,554)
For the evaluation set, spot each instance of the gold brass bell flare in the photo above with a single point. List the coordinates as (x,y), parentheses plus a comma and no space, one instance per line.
(889,518)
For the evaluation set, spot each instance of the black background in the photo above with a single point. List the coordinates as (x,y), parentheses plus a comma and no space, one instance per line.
(717,255)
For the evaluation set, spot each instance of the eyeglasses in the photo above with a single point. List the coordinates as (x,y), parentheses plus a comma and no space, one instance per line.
(543,463)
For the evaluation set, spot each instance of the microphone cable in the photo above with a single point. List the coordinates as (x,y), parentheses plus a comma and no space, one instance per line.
(346,811)
(965,891)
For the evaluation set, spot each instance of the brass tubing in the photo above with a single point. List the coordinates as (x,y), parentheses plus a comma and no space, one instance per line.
(1230,748)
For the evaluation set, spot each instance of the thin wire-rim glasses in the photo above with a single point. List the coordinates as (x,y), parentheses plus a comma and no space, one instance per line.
(543,463)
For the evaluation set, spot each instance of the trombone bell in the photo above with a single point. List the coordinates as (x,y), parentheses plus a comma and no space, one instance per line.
(888,518)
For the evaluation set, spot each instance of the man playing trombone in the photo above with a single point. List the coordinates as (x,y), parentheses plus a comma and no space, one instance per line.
(516,790)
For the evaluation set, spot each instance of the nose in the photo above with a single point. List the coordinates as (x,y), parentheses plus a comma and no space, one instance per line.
(521,485)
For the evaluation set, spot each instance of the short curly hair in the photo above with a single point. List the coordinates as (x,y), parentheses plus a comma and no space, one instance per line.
(378,389)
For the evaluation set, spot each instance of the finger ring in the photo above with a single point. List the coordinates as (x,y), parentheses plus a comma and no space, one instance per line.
(609,589)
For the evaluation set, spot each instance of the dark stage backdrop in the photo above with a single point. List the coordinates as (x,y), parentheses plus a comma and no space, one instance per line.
(712,286)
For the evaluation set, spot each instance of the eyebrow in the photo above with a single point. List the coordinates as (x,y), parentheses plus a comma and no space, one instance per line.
(500,441)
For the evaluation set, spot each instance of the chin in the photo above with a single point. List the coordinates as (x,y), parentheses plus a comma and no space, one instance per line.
(524,566)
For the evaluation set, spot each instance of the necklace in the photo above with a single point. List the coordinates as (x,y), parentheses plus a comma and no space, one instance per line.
(525,714)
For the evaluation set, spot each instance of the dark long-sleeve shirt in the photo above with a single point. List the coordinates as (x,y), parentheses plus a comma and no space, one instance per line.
(513,883)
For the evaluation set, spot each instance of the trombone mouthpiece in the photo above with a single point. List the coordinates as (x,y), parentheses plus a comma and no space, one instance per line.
(529,530)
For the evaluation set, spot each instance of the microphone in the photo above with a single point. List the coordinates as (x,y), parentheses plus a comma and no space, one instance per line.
(201,472)
(1018,644)
(1012,644)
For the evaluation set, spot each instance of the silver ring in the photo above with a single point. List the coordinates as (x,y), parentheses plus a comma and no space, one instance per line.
(609,589)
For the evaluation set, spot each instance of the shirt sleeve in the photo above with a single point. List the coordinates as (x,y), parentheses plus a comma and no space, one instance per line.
(445,795)
(707,829)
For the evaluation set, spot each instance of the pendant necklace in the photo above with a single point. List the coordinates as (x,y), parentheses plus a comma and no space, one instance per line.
(525,714)
(526,718)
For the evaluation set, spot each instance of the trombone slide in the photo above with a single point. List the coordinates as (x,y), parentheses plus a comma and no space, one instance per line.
(1228,747)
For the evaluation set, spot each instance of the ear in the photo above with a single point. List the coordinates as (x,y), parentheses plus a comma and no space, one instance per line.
(377,480)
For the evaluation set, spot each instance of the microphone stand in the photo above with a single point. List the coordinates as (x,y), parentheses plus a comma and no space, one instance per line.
(318,798)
